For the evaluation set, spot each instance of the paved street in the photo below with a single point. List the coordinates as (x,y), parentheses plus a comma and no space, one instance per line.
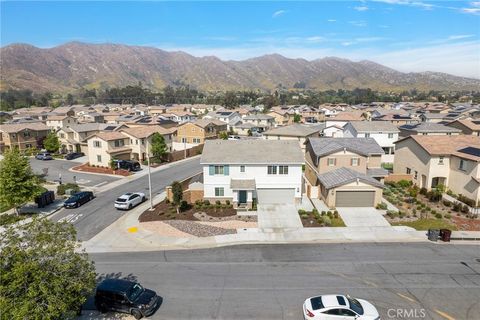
(99,213)
(404,281)
(56,167)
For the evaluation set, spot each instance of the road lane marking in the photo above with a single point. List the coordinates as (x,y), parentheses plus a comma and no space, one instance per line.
(406,297)
(370,283)
(100,184)
(445,315)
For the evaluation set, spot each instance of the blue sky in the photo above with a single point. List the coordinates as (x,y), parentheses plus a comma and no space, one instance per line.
(407,35)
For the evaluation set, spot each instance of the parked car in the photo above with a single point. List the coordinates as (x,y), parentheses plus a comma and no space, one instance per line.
(232,137)
(126,297)
(74,155)
(44,156)
(77,199)
(129,200)
(330,307)
(130,165)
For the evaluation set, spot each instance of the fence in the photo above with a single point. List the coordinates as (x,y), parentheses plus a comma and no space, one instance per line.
(187,153)
(188,195)
(395,177)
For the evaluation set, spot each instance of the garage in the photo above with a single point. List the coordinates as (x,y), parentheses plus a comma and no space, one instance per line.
(355,199)
(271,195)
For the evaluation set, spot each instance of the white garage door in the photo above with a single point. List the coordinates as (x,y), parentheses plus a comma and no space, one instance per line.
(266,196)
(355,199)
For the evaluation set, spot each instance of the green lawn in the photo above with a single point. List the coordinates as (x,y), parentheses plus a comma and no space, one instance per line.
(425,224)
(4,208)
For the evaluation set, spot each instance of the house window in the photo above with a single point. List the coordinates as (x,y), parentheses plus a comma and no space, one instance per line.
(355,162)
(331,162)
(283,169)
(14,135)
(219,192)
(62,135)
(143,142)
(218,169)
(462,166)
(367,135)
(242,168)
(449,133)
(28,145)
(184,140)
(440,160)
(416,175)
(26,133)
(409,171)
(99,158)
(118,143)
(196,140)
(97,144)
(272,170)
(390,136)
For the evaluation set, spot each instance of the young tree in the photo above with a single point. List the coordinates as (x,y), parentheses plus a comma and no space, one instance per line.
(113,164)
(159,147)
(177,192)
(297,118)
(51,142)
(18,184)
(223,135)
(44,275)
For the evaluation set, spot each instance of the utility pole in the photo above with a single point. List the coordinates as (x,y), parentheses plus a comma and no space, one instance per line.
(149,177)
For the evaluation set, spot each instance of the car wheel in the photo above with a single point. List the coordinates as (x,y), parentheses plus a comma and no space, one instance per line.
(90,198)
(144,199)
(129,206)
(76,205)
(137,314)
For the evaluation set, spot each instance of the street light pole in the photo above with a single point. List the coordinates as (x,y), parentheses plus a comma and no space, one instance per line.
(149,177)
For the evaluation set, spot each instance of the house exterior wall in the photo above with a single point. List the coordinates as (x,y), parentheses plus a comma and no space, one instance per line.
(64,123)
(410,155)
(461,182)
(343,159)
(190,131)
(94,152)
(333,132)
(329,196)
(21,139)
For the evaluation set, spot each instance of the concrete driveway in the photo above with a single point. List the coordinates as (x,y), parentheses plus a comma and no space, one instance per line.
(362,217)
(278,217)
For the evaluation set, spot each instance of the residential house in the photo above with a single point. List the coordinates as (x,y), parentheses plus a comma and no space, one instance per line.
(283,115)
(181,116)
(453,161)
(72,139)
(22,136)
(156,110)
(199,131)
(332,131)
(58,122)
(140,140)
(248,171)
(384,133)
(298,132)
(261,122)
(469,127)
(229,117)
(343,118)
(92,117)
(105,146)
(427,128)
(344,172)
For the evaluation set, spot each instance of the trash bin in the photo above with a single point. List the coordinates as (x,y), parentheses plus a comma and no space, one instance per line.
(433,234)
(445,235)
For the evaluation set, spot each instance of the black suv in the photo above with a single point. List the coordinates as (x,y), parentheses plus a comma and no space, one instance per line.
(127,297)
(129,165)
(74,155)
(77,199)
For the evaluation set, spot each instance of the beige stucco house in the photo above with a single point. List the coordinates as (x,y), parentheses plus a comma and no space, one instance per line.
(449,160)
(200,130)
(22,136)
(344,172)
(104,146)
(58,122)
(140,139)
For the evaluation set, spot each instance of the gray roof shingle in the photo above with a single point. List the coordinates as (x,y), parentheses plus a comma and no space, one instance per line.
(374,126)
(363,146)
(342,176)
(252,152)
(429,127)
(295,130)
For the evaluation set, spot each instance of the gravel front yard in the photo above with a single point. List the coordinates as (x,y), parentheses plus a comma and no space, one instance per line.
(199,230)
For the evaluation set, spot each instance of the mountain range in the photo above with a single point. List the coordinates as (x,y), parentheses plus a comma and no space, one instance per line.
(76,65)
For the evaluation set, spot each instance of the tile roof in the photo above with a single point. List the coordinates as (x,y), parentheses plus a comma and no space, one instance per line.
(57,117)
(252,152)
(429,127)
(35,126)
(473,125)
(364,146)
(146,131)
(258,117)
(374,126)
(107,136)
(295,130)
(85,127)
(342,176)
(377,172)
(205,122)
(347,116)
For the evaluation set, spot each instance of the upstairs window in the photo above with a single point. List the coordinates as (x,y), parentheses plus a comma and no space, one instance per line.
(272,169)
(331,162)
(355,162)
(390,136)
(440,160)
(462,165)
(283,169)
(242,168)
(97,144)
(367,135)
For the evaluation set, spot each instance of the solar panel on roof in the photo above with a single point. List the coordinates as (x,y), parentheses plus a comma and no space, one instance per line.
(110,128)
(471,150)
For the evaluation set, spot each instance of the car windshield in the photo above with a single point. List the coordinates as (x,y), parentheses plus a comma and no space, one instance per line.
(355,305)
(134,292)
(121,199)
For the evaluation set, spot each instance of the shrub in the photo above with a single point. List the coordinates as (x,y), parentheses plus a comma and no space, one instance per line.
(184,205)
(327,221)
(465,209)
(304,216)
(335,214)
(401,214)
(414,211)
(315,212)
(438,216)
(167,201)
(324,213)
(434,212)
(218,202)
(301,212)
(61,188)
(447,203)
(448,216)
(227,202)
(419,207)
(404,183)
(382,206)
(206,203)
(466,200)
(330,214)
(392,213)
(457,207)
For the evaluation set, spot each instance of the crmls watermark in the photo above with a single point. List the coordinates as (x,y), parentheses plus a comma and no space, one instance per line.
(406,313)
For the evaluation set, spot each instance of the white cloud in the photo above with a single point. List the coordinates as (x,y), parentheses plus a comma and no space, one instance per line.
(331,20)
(471,10)
(278,13)
(361,8)
(453,38)
(360,23)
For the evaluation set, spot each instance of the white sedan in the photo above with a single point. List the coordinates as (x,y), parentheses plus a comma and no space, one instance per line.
(129,200)
(338,307)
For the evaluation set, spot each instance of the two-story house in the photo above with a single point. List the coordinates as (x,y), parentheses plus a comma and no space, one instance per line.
(283,115)
(344,172)
(229,117)
(105,146)
(298,132)
(57,122)
(384,133)
(245,171)
(23,136)
(470,127)
(198,131)
(261,122)
(140,140)
(72,139)
(428,129)
(453,161)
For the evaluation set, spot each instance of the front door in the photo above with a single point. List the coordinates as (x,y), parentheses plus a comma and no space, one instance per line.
(242,196)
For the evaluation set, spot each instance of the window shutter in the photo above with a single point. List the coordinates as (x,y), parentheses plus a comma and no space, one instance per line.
(211,170)
(225,170)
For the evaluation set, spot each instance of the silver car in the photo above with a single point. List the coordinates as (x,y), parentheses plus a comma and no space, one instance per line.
(129,200)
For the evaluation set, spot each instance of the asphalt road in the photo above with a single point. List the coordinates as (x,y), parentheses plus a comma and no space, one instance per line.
(96,215)
(56,167)
(404,281)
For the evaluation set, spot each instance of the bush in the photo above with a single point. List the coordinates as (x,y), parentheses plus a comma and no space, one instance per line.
(335,214)
(227,202)
(304,216)
(301,212)
(438,216)
(315,212)
(465,209)
(392,213)
(447,203)
(184,206)
(401,214)
(327,221)
(448,216)
(324,213)
(217,202)
(382,206)
(423,191)
(206,203)
(330,214)
(167,201)
(404,183)
(61,188)
(457,207)
(466,200)
(434,212)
